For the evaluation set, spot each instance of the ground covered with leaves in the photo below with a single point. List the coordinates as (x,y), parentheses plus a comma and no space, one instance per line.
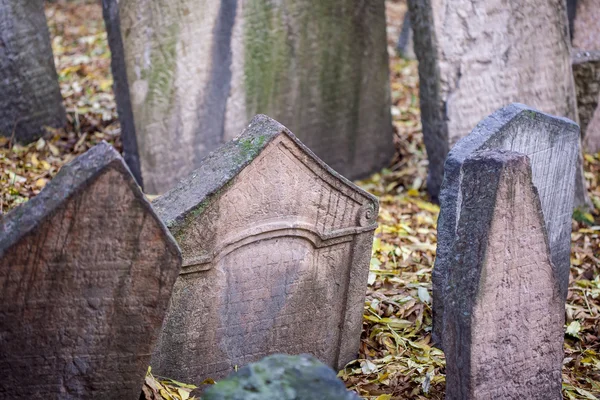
(396,358)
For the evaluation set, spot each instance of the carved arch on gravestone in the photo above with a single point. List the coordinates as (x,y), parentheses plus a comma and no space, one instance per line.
(271,237)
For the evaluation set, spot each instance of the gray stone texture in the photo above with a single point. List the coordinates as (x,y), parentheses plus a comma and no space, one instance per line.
(30,98)
(504,327)
(282,377)
(86,270)
(405,45)
(476,56)
(198,70)
(552,145)
(586,70)
(276,249)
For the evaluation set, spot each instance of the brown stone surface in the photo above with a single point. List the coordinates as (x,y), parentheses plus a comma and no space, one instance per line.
(86,270)
(476,56)
(276,250)
(198,71)
(586,25)
(505,315)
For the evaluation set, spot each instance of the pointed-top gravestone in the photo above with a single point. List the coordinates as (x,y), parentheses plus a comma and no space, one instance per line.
(193,73)
(552,144)
(503,337)
(272,240)
(86,271)
(477,56)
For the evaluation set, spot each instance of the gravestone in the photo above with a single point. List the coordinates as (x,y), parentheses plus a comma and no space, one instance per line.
(198,71)
(86,270)
(505,313)
(30,96)
(476,56)
(586,25)
(273,240)
(586,70)
(552,144)
(405,41)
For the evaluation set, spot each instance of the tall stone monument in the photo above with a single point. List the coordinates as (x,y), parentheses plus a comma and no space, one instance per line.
(476,56)
(86,271)
(505,313)
(552,144)
(196,72)
(276,249)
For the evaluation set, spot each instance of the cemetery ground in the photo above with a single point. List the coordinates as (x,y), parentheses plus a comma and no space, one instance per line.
(396,359)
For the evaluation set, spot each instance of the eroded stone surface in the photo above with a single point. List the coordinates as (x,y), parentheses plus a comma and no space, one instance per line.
(552,145)
(86,270)
(199,70)
(476,56)
(273,240)
(504,326)
(586,25)
(586,70)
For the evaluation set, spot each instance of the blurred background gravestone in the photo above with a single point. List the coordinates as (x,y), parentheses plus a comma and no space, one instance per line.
(197,71)
(504,312)
(552,144)
(584,23)
(29,94)
(86,270)
(477,56)
(272,240)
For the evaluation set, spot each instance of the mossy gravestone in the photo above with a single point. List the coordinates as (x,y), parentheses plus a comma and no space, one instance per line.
(586,70)
(476,56)
(86,270)
(282,377)
(276,249)
(552,144)
(504,311)
(197,71)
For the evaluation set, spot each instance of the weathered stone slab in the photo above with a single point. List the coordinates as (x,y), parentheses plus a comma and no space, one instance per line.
(198,71)
(586,25)
(476,56)
(505,315)
(272,240)
(552,144)
(29,93)
(405,41)
(282,377)
(86,270)
(586,70)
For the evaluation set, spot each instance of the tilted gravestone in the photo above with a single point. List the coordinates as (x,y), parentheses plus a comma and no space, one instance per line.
(86,270)
(272,240)
(198,71)
(30,96)
(586,70)
(476,56)
(505,313)
(552,144)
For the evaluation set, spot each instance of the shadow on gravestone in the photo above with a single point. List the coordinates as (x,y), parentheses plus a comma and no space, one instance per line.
(474,62)
(86,270)
(282,377)
(503,337)
(272,240)
(552,144)
(193,73)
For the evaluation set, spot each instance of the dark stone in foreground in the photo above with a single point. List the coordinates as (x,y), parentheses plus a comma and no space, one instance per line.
(552,145)
(503,334)
(86,271)
(282,377)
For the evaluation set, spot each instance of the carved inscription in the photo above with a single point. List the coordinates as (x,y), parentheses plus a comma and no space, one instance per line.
(283,243)
(505,331)
(87,271)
